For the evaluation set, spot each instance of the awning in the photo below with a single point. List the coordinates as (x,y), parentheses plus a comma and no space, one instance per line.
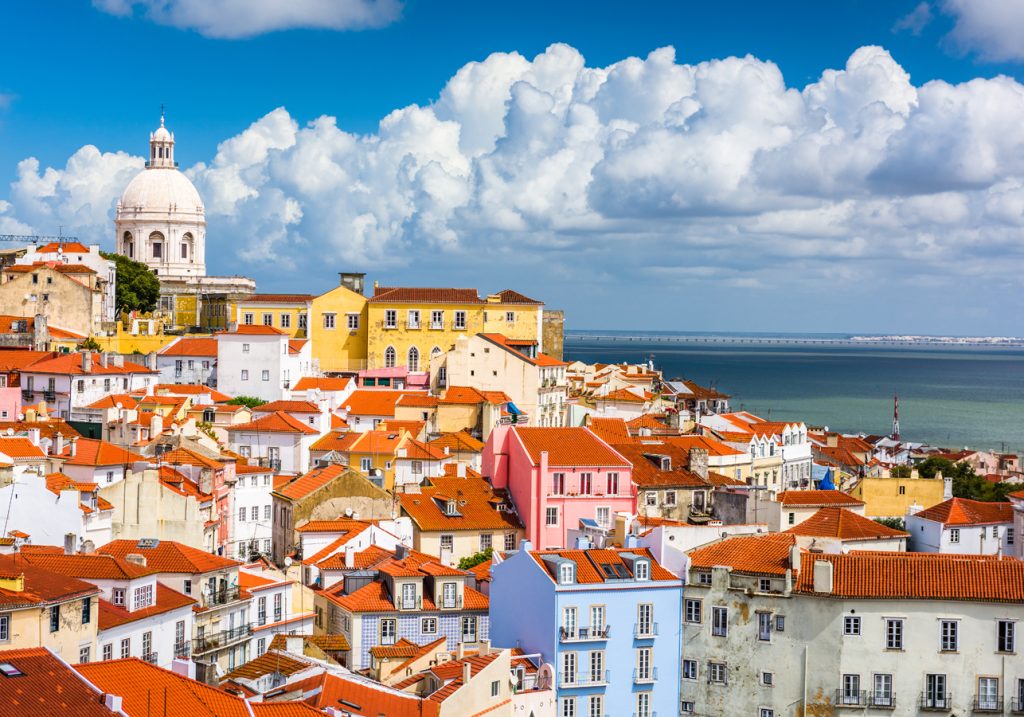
(513,409)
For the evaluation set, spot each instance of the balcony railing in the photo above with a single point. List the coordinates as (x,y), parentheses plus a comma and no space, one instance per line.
(851,698)
(984,703)
(274,464)
(223,596)
(414,604)
(49,396)
(1017,705)
(27,394)
(183,649)
(644,630)
(930,701)
(882,701)
(151,658)
(583,634)
(221,639)
(644,714)
(642,677)
(584,679)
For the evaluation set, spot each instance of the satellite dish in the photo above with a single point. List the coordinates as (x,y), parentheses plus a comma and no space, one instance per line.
(545,676)
(288,562)
(10,431)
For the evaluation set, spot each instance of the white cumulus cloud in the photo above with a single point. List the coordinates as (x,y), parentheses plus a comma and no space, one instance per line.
(232,19)
(991,29)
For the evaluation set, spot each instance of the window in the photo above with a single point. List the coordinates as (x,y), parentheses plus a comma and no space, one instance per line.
(586,483)
(851,690)
(988,694)
(108,651)
(651,498)
(485,541)
(245,348)
(329,320)
(1009,536)
(719,621)
(5,628)
(935,696)
(851,625)
(245,375)
(565,574)
(613,484)
(780,623)
(126,647)
(266,512)
(567,707)
(460,320)
(551,516)
(641,570)
(903,490)
(1005,637)
(495,688)
(147,643)
(390,319)
(413,318)
(643,704)
(118,596)
(365,464)
(954,535)
(792,518)
(158,250)
(686,707)
(689,669)
(766,711)
(692,610)
(389,357)
(142,597)
(768,679)
(428,626)
(557,484)
(248,319)
(86,611)
(187,587)
(595,706)
(414,359)
(469,628)
(241,514)
(83,654)
(603,516)
(179,633)
(894,634)
(645,619)
(437,319)
(286,321)
(670,497)
(448,542)
(764,585)
(948,635)
(266,375)
(764,627)
(643,664)
(54,618)
(261,646)
(510,316)
(388,630)
(881,690)
(268,319)
(718,673)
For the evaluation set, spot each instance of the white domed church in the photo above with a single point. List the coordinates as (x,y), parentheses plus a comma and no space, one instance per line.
(161,222)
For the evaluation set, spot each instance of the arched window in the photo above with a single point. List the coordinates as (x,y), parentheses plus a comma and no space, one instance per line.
(436,351)
(186,246)
(156,245)
(389,357)
(414,359)
(128,246)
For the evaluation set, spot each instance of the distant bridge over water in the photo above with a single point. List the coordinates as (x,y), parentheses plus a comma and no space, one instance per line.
(886,341)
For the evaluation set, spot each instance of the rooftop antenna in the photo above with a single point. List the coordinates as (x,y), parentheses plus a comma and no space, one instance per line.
(896,417)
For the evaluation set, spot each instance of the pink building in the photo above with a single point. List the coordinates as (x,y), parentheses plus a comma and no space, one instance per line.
(10,403)
(558,477)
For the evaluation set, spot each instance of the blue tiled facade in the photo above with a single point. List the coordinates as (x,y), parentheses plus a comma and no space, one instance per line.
(449,625)
(528,609)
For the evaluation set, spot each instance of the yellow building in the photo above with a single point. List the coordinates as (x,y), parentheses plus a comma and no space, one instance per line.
(45,609)
(338,326)
(887,497)
(288,312)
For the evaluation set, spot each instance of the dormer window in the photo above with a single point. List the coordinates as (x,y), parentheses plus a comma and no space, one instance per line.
(451,508)
(565,576)
(641,570)
(666,463)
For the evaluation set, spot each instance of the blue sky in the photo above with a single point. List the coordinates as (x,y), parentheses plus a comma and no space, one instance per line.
(676,211)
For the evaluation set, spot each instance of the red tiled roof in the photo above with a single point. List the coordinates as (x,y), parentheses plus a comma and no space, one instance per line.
(476,504)
(365,698)
(964,512)
(91,452)
(190,389)
(327,643)
(335,441)
(624,395)
(17,447)
(268,663)
(256,330)
(372,402)
(510,346)
(811,498)
(832,522)
(314,480)
(42,587)
(417,400)
(71,247)
(463,395)
(277,422)
(402,648)
(167,600)
(766,554)
(288,407)
(169,557)
(126,400)
(918,576)
(205,347)
(188,457)
(71,364)
(324,384)
(277,299)
(95,566)
(587,562)
(416,451)
(48,686)
(611,430)
(403,295)
(647,472)
(458,442)
(363,560)
(568,447)
(374,598)
(509,296)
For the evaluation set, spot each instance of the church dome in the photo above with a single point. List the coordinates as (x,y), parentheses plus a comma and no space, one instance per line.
(161,189)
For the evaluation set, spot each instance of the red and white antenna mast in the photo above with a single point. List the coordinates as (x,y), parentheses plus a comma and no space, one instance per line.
(896,417)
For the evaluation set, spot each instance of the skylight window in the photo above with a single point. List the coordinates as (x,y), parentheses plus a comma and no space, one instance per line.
(9,670)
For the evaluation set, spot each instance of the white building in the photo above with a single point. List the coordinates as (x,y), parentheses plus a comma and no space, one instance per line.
(273,608)
(277,440)
(73,513)
(188,360)
(252,527)
(74,253)
(260,361)
(71,381)
(965,527)
(900,633)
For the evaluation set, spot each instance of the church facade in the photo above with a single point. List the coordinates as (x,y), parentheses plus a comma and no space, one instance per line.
(161,222)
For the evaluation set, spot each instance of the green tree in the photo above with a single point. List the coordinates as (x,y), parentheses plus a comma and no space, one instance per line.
(471,561)
(900,472)
(138,288)
(966,483)
(90,344)
(247,401)
(894,523)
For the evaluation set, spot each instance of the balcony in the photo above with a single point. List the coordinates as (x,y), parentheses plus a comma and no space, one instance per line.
(583,634)
(881,701)
(219,597)
(27,394)
(451,604)
(217,640)
(1017,705)
(987,703)
(410,604)
(935,702)
(584,679)
(645,677)
(274,464)
(644,714)
(183,650)
(851,698)
(151,658)
(642,631)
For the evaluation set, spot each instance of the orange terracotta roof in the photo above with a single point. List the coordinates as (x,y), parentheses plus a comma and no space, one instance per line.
(12,359)
(17,447)
(269,662)
(288,407)
(335,441)
(71,364)
(413,428)
(403,295)
(91,452)
(48,686)
(509,296)
(169,557)
(624,395)
(458,442)
(277,299)
(476,504)
(167,600)
(188,457)
(42,587)
(256,330)
(295,345)
(49,428)
(372,402)
(463,395)
(374,598)
(126,400)
(964,512)
(417,400)
(482,572)
(277,422)
(71,247)
(647,471)
(327,643)
(365,559)
(190,389)
(401,648)
(366,697)
(510,346)
(717,479)
(416,451)
(918,576)
(568,447)
(810,498)
(766,554)
(377,442)
(587,562)
(844,524)
(611,430)
(204,347)
(95,566)
(61,268)
(323,383)
(311,482)
(338,423)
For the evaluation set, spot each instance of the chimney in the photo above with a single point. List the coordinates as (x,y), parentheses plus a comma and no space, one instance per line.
(401,552)
(117,360)
(794,557)
(832,440)
(156,425)
(460,470)
(112,702)
(485,647)
(350,556)
(353,281)
(460,651)
(151,360)
(136,558)
(104,359)
(467,670)
(294,644)
(58,444)
(33,436)
(69,543)
(73,443)
(87,361)
(823,574)
(698,462)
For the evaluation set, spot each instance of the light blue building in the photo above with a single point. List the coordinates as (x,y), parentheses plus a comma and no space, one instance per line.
(608,621)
